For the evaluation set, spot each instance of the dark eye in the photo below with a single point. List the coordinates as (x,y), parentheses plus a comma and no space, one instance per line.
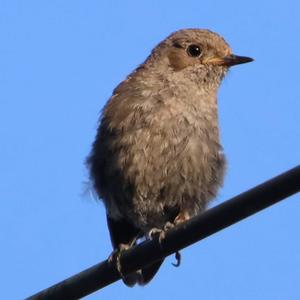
(194,50)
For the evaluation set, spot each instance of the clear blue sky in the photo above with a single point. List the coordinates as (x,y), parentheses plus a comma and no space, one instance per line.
(60,60)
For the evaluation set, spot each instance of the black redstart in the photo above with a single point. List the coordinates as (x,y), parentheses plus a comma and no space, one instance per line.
(157,157)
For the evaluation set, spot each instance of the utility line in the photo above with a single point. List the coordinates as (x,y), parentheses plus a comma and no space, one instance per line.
(179,237)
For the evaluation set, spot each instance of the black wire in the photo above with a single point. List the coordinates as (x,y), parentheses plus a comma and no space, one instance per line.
(179,237)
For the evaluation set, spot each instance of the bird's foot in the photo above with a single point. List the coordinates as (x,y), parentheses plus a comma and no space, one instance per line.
(181,217)
(161,233)
(154,232)
(168,226)
(115,256)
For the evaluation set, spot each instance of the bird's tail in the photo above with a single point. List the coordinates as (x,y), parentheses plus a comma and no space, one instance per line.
(149,272)
(143,276)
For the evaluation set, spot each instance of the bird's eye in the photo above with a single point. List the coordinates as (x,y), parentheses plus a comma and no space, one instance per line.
(194,50)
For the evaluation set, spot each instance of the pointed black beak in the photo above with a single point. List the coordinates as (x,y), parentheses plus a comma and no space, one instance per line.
(232,60)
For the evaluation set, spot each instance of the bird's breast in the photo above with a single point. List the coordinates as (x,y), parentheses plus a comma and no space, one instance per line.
(175,161)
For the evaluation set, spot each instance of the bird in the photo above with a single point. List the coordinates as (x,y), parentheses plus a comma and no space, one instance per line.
(157,157)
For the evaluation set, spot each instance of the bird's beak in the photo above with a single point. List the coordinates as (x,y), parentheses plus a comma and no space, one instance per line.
(229,60)
(232,60)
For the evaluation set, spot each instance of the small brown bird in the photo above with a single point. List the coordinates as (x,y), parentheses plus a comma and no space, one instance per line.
(157,157)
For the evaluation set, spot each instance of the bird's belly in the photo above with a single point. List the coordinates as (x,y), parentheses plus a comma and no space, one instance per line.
(181,178)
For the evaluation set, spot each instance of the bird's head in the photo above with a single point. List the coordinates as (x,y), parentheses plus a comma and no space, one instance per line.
(202,53)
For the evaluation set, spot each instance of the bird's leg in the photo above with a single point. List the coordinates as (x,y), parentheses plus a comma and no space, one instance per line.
(115,256)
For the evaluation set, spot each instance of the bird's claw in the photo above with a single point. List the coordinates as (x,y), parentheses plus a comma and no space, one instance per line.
(154,232)
(178,259)
(168,226)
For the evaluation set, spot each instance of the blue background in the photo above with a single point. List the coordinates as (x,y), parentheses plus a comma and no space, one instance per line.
(60,60)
